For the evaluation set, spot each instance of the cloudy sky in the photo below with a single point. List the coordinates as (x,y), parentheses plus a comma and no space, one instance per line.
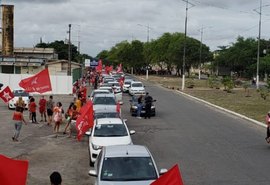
(100,24)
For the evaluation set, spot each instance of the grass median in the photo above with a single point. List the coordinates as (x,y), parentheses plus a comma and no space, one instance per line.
(247,102)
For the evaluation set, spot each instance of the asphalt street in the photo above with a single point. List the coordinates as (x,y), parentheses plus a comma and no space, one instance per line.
(210,146)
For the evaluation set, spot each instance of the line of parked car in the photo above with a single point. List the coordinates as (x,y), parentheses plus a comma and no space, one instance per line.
(116,160)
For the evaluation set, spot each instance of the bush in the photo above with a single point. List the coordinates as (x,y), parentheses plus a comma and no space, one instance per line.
(264,93)
(213,82)
(228,84)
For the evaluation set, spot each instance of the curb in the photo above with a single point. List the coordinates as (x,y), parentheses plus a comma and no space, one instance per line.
(216,106)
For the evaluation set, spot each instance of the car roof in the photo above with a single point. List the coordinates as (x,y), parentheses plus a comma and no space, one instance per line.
(103,121)
(104,95)
(101,90)
(126,151)
(133,82)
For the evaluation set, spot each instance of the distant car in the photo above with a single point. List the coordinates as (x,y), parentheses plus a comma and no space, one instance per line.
(126,85)
(125,164)
(104,102)
(17,93)
(136,88)
(99,91)
(107,113)
(134,107)
(105,132)
(108,79)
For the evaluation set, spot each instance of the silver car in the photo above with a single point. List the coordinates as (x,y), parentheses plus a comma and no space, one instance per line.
(125,164)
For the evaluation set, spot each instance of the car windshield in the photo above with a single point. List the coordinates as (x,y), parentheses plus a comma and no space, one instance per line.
(107,115)
(100,92)
(128,169)
(137,85)
(110,130)
(20,93)
(127,82)
(104,101)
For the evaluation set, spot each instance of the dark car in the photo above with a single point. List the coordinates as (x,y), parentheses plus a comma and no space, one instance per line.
(134,104)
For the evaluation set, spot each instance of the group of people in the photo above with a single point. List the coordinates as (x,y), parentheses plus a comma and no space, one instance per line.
(49,113)
(148,103)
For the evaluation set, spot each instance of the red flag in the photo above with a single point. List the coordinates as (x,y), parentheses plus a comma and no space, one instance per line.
(99,67)
(108,69)
(119,69)
(13,172)
(38,83)
(172,177)
(85,120)
(6,94)
(118,107)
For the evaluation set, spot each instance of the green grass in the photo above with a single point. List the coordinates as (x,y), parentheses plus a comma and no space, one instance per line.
(253,106)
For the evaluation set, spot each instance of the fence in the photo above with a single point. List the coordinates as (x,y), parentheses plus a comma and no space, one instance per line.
(60,84)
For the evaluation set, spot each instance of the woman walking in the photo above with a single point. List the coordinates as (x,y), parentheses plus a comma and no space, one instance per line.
(18,118)
(50,106)
(58,111)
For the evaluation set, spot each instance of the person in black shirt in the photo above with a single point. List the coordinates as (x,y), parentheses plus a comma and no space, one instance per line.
(148,103)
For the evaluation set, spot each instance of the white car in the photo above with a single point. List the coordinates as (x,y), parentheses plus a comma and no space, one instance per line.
(105,132)
(99,91)
(103,102)
(136,88)
(118,96)
(125,165)
(17,93)
(126,85)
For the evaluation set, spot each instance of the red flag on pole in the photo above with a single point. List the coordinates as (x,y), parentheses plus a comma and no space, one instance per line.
(13,172)
(38,83)
(85,120)
(6,94)
(172,177)
(119,69)
(99,67)
(118,107)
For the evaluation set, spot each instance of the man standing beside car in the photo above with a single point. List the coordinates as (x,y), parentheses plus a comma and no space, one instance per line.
(148,103)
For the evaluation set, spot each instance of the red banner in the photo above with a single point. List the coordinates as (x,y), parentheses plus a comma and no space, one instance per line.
(40,82)
(13,172)
(119,69)
(99,67)
(172,177)
(6,94)
(85,120)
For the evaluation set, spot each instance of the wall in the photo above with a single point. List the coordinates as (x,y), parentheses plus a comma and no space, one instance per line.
(60,84)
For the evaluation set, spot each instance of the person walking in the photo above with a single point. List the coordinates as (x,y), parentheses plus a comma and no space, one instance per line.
(20,103)
(267,120)
(148,103)
(68,116)
(78,103)
(58,111)
(19,119)
(139,107)
(42,108)
(50,106)
(32,109)
(74,116)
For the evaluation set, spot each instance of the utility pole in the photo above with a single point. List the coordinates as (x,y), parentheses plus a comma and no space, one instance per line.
(185,43)
(258,51)
(200,53)
(69,50)
(148,30)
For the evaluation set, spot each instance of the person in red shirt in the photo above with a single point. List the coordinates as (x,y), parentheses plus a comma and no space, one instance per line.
(32,109)
(42,108)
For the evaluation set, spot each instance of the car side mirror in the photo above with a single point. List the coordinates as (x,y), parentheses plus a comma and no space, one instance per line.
(88,133)
(131,132)
(162,171)
(92,173)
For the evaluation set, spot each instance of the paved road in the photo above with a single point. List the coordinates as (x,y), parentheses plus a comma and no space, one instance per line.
(211,147)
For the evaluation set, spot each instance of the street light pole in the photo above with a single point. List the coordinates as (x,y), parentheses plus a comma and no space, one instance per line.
(185,44)
(200,53)
(258,51)
(69,50)
(148,29)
